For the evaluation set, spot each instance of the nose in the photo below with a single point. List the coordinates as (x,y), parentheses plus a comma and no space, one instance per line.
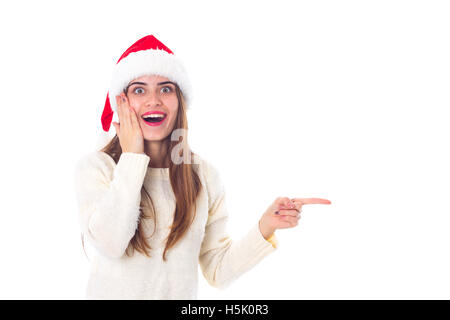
(153,99)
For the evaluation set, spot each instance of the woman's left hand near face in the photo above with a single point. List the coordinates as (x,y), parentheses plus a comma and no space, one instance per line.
(284,213)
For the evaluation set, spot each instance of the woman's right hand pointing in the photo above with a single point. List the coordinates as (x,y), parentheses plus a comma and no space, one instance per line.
(128,129)
(285,213)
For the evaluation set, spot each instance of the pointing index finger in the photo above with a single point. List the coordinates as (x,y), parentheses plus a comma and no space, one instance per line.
(312,200)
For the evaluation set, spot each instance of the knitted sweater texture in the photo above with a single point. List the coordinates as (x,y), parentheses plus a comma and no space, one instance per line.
(108,197)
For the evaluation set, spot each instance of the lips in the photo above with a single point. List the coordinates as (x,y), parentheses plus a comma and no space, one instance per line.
(154,118)
(153,112)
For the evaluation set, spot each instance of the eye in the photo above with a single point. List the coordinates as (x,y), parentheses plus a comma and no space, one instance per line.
(167,87)
(138,90)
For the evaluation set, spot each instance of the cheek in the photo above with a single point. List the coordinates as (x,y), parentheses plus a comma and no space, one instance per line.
(134,103)
(172,105)
(174,114)
(173,119)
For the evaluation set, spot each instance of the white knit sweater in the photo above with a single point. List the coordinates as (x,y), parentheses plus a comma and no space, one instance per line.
(108,197)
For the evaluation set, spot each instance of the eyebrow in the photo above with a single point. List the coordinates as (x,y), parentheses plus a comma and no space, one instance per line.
(165,82)
(144,84)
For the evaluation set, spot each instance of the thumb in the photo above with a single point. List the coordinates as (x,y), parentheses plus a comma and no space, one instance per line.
(116,126)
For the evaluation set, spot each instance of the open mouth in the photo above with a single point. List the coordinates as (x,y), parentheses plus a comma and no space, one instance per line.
(154,118)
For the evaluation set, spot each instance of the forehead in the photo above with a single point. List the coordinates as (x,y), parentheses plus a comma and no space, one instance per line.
(150,79)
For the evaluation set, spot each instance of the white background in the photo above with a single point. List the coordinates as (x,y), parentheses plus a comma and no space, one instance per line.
(343,100)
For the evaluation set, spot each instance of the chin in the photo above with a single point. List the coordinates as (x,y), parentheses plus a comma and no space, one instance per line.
(154,138)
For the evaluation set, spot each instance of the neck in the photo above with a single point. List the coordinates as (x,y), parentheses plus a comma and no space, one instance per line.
(156,150)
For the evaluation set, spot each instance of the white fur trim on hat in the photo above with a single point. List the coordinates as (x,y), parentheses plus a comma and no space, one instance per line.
(148,62)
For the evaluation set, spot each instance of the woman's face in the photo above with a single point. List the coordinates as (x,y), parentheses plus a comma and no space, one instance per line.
(149,94)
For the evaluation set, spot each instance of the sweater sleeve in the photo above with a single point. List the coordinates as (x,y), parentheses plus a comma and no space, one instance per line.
(108,198)
(273,240)
(223,260)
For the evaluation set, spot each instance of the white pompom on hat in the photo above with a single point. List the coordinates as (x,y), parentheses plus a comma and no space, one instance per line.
(147,56)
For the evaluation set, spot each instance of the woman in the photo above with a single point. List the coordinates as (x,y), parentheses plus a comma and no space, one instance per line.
(152,208)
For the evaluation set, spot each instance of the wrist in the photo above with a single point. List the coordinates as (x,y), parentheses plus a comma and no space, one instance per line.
(265,231)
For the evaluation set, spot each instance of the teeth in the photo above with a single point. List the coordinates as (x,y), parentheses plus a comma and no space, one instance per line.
(154,116)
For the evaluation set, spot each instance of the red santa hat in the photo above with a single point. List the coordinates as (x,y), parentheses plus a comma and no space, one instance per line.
(147,56)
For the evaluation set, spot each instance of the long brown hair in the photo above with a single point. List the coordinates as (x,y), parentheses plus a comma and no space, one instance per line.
(185,182)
